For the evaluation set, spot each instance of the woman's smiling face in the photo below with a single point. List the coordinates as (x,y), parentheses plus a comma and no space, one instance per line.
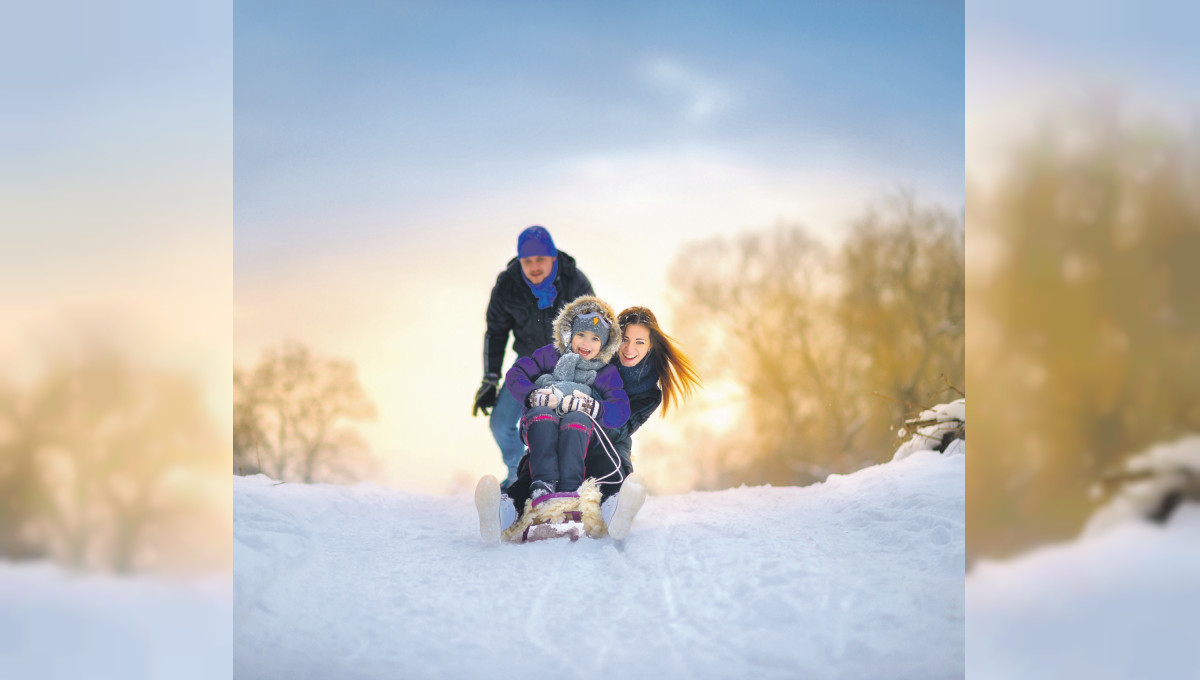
(635,345)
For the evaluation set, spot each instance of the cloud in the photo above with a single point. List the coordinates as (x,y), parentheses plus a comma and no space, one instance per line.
(702,97)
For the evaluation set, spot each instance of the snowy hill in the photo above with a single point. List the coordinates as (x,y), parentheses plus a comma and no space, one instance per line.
(857,577)
(1120,601)
(1119,605)
(56,624)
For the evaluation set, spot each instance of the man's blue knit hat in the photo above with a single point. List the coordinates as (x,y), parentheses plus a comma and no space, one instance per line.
(536,241)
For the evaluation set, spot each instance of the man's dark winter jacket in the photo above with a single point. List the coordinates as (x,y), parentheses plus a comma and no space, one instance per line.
(513,309)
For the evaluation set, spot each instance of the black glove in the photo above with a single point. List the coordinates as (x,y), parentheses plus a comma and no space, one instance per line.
(485,396)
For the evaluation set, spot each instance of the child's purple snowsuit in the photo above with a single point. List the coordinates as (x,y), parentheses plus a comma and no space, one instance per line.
(558,444)
(610,391)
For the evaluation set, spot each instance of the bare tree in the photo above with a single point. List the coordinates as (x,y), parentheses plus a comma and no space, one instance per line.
(902,304)
(756,309)
(810,335)
(26,419)
(292,415)
(101,448)
(1092,343)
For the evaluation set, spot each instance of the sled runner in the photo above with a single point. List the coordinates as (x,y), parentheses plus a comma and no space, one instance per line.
(570,527)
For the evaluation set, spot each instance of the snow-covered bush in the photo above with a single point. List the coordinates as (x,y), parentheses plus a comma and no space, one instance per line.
(942,428)
(1152,485)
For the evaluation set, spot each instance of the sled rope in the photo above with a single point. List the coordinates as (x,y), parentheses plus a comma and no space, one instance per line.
(610,449)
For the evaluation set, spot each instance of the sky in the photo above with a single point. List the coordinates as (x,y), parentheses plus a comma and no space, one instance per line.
(1025,60)
(386,155)
(116,190)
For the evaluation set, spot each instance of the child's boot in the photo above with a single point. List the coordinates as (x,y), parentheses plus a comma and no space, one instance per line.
(540,488)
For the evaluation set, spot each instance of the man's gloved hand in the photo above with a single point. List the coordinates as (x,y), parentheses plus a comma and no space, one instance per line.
(485,396)
(543,397)
(580,402)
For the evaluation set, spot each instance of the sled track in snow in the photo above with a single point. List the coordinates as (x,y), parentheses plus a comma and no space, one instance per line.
(858,577)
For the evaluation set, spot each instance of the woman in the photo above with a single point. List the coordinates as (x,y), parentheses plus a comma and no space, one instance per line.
(654,371)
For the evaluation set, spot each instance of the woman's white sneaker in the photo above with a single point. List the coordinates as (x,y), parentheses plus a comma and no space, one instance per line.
(496,509)
(487,503)
(623,506)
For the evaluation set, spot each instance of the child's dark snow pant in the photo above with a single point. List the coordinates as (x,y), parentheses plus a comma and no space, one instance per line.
(557,446)
(597,465)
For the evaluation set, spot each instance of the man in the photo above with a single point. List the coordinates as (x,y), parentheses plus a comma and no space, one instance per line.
(528,294)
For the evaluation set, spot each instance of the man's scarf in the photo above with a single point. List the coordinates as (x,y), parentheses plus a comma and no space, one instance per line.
(545,291)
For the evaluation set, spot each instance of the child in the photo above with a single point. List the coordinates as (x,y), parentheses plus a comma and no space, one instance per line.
(568,387)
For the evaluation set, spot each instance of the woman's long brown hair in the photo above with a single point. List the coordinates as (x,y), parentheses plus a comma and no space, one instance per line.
(676,375)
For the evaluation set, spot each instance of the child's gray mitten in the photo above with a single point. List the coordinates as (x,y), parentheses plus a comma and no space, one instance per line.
(543,397)
(578,401)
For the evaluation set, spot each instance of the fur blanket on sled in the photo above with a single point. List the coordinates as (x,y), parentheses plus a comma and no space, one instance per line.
(555,509)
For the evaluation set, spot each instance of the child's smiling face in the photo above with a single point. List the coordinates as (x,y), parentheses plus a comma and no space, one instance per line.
(586,344)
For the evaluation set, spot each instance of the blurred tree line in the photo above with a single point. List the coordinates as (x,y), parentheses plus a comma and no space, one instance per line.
(832,347)
(105,464)
(1084,318)
(291,418)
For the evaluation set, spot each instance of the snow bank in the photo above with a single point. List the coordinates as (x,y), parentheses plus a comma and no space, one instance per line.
(942,418)
(1121,603)
(858,577)
(1166,468)
(56,624)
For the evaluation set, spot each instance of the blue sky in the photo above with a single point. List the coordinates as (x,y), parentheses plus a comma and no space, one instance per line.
(355,109)
(1029,62)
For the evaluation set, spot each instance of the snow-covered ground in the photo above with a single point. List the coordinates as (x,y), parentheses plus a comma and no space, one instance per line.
(58,625)
(858,577)
(1121,605)
(1120,601)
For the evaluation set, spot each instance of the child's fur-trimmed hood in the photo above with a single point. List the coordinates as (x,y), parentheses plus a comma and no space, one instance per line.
(585,304)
